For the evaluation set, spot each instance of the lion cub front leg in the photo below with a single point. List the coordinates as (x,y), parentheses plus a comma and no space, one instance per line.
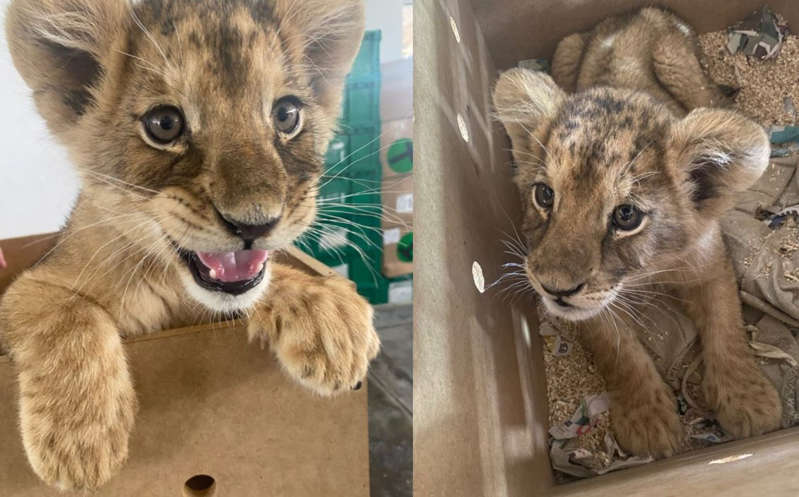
(77,403)
(744,400)
(320,329)
(643,410)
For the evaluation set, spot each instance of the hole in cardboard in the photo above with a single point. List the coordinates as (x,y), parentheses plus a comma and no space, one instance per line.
(463,129)
(526,331)
(479,279)
(454,27)
(200,486)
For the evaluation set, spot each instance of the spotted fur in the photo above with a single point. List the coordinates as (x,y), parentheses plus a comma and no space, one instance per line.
(607,147)
(96,67)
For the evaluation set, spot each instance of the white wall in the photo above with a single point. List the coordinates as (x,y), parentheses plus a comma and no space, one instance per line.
(37,185)
(386,15)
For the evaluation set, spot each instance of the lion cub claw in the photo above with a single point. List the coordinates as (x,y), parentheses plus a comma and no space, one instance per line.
(321,332)
(745,402)
(647,424)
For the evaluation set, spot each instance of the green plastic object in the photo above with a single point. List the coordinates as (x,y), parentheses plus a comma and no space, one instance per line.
(405,248)
(348,235)
(360,153)
(784,134)
(361,104)
(400,156)
(368,59)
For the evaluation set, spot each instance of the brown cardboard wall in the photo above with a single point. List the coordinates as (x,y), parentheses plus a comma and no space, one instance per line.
(213,404)
(476,424)
(480,416)
(210,403)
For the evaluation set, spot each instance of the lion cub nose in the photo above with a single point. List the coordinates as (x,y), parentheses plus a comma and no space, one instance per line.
(249,232)
(563,293)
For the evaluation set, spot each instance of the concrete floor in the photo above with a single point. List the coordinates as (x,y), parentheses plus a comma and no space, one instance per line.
(391,405)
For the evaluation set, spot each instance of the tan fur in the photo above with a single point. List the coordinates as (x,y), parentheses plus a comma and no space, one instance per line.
(606,147)
(95,67)
(651,50)
(325,360)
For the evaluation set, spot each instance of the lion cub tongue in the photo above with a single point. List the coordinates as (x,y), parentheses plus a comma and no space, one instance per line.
(230,267)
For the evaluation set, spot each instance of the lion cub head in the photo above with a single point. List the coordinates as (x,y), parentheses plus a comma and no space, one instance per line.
(205,120)
(614,186)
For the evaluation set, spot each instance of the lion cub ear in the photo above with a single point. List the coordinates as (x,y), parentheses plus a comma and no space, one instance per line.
(722,153)
(525,101)
(59,47)
(330,33)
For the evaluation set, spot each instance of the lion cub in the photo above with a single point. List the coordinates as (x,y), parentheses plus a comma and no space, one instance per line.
(199,129)
(651,50)
(622,194)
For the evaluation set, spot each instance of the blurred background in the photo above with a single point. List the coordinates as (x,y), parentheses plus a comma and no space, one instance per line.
(364,230)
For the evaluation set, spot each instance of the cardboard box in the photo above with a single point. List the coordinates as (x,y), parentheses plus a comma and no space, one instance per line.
(210,404)
(480,415)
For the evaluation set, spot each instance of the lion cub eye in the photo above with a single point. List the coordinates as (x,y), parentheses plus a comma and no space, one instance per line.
(544,196)
(287,116)
(164,124)
(627,217)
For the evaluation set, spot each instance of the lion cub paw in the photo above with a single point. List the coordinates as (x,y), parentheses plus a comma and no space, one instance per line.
(744,400)
(77,445)
(647,424)
(322,334)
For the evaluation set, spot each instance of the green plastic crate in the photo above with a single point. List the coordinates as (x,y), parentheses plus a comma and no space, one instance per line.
(351,238)
(372,285)
(323,239)
(368,59)
(361,103)
(356,154)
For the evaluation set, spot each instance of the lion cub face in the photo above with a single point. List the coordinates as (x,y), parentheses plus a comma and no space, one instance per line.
(615,188)
(206,120)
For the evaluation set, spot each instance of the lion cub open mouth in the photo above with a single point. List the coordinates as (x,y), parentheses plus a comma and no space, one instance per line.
(233,273)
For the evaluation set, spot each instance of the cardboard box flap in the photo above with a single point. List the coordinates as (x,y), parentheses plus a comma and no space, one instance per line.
(210,404)
(213,404)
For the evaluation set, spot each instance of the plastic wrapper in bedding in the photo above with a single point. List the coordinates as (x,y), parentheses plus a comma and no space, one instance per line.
(568,458)
(759,35)
(583,418)
(785,139)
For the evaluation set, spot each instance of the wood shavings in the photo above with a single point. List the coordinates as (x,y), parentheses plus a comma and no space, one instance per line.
(769,89)
(572,376)
(568,382)
(788,248)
